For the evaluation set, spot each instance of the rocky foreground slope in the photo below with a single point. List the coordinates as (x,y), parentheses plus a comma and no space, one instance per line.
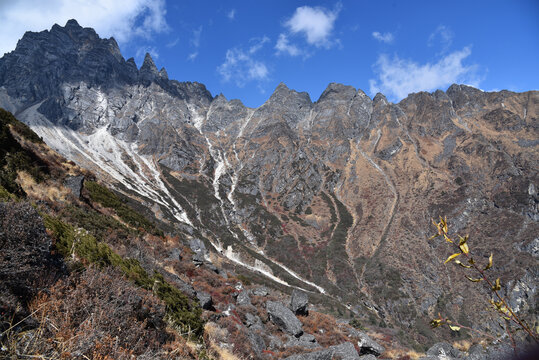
(333,197)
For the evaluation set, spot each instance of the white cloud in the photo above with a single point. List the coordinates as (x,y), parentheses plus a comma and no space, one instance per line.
(195,43)
(315,23)
(123,19)
(242,67)
(231,14)
(443,36)
(192,56)
(258,44)
(385,37)
(195,40)
(399,77)
(141,53)
(284,46)
(173,43)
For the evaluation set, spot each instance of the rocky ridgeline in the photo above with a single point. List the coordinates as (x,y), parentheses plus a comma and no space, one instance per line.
(334,197)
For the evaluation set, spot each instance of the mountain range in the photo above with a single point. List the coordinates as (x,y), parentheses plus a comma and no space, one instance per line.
(333,197)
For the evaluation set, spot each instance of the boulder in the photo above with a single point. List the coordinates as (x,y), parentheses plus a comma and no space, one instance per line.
(345,351)
(476,352)
(243,298)
(205,300)
(198,247)
(184,287)
(283,317)
(368,345)
(307,337)
(299,302)
(444,350)
(294,342)
(74,183)
(253,321)
(257,342)
(261,291)
(198,259)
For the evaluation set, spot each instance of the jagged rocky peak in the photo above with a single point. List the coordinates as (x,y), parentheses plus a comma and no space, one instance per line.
(70,54)
(222,113)
(76,31)
(148,71)
(284,107)
(337,92)
(282,91)
(379,100)
(427,106)
(163,73)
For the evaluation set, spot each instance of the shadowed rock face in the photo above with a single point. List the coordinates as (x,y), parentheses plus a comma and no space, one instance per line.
(340,191)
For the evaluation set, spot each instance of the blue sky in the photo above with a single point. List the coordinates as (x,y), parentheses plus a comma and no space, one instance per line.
(244,49)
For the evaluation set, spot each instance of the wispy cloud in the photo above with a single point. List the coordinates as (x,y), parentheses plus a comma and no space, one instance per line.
(231,14)
(173,43)
(284,46)
(123,19)
(195,43)
(385,37)
(443,36)
(397,77)
(141,52)
(241,65)
(314,24)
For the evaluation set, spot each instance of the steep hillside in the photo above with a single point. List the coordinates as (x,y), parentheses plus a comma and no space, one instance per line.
(333,197)
(84,275)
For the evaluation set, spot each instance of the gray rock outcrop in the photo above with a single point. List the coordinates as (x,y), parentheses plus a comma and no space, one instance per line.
(281,316)
(299,302)
(368,345)
(345,351)
(205,300)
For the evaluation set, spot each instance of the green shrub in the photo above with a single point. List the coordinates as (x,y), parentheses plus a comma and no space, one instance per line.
(7,118)
(109,199)
(181,312)
(6,195)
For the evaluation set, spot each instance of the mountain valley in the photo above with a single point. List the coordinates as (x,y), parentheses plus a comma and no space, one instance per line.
(333,198)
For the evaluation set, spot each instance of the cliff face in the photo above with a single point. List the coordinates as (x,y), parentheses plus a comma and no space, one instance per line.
(335,197)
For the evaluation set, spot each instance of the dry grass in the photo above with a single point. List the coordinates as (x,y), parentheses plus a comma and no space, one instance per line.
(42,191)
(463,345)
(97,315)
(214,336)
(402,354)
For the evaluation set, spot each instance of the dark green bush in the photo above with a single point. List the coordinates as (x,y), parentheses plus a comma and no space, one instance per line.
(7,118)
(109,199)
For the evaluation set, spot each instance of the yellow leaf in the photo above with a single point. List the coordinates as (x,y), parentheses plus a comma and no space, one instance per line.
(497,286)
(461,264)
(447,239)
(463,240)
(489,265)
(451,257)
(473,280)
(471,261)
(454,327)
(464,248)
(435,323)
(434,236)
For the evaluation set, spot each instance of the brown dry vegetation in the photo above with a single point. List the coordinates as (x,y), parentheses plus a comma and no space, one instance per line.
(97,314)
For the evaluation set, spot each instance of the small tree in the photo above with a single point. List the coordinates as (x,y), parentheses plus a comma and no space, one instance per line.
(512,321)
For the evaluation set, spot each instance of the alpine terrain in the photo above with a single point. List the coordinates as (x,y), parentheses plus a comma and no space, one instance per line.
(333,199)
